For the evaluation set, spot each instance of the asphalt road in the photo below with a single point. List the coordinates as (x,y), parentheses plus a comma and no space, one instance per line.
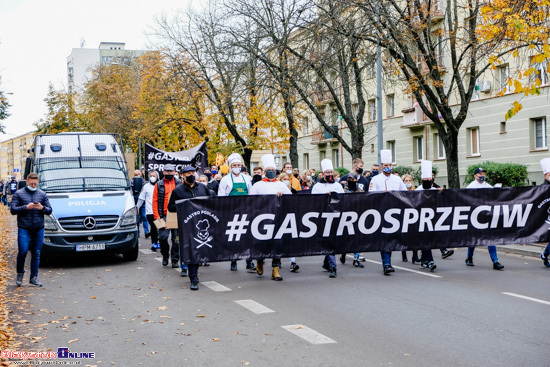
(142,314)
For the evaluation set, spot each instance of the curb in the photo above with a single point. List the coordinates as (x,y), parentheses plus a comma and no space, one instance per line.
(531,250)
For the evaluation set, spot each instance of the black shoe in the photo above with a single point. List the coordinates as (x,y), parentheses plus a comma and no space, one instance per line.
(175,264)
(332,273)
(357,264)
(545,260)
(445,254)
(194,286)
(34,281)
(498,266)
(147,235)
(206,264)
(388,269)
(250,267)
(153,248)
(326,267)
(404,256)
(429,265)
(164,260)
(233,266)
(469,261)
(294,267)
(183,272)
(415,259)
(343,258)
(19,280)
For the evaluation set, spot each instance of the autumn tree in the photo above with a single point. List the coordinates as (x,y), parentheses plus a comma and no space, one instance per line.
(63,113)
(4,106)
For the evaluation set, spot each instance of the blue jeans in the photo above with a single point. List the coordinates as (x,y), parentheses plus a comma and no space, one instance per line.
(143,219)
(356,256)
(330,261)
(29,239)
(386,258)
(427,256)
(492,252)
(546,251)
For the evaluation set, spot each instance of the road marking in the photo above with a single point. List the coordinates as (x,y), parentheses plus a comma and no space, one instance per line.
(254,306)
(147,252)
(412,271)
(215,286)
(178,269)
(309,335)
(527,298)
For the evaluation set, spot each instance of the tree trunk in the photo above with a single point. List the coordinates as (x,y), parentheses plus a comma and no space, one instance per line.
(451,148)
(247,154)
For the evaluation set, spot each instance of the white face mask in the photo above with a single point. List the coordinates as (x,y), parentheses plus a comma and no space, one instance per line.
(288,171)
(408,185)
(308,178)
(287,182)
(152,179)
(236,170)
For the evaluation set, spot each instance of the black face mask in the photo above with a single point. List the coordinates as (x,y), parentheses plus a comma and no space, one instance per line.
(257,178)
(296,175)
(352,185)
(270,174)
(209,175)
(169,177)
(426,185)
(190,179)
(359,171)
(374,172)
(329,178)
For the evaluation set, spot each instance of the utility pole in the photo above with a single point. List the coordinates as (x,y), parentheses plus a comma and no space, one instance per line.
(379,124)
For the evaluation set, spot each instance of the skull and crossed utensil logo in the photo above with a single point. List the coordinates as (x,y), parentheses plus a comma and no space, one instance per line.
(203,237)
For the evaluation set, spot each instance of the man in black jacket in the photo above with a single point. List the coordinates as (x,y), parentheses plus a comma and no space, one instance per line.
(30,205)
(188,190)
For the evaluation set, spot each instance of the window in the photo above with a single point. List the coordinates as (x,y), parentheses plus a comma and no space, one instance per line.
(539,129)
(503,127)
(372,109)
(390,107)
(322,154)
(372,148)
(336,157)
(371,72)
(439,147)
(503,73)
(391,146)
(541,72)
(473,142)
(305,126)
(306,161)
(418,148)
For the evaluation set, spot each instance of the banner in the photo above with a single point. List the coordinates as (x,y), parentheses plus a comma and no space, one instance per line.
(242,227)
(155,159)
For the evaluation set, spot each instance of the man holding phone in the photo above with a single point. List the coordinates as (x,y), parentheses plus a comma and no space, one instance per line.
(30,204)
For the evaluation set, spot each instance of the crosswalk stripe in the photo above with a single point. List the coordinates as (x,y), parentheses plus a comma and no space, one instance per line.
(254,306)
(215,286)
(308,334)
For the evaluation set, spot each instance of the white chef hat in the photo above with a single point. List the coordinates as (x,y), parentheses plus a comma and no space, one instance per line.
(545,164)
(385,156)
(234,158)
(268,160)
(426,169)
(326,164)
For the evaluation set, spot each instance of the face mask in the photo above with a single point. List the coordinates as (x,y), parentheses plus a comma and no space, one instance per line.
(256,178)
(270,174)
(387,170)
(209,175)
(374,172)
(190,179)
(32,188)
(288,171)
(236,170)
(308,178)
(152,180)
(408,185)
(169,177)
(204,183)
(426,185)
(359,171)
(482,179)
(214,171)
(352,185)
(287,182)
(296,175)
(329,178)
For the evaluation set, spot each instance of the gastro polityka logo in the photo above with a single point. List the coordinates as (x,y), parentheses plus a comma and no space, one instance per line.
(89,223)
(203,237)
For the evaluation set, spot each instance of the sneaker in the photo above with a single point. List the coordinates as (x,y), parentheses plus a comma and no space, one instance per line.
(153,248)
(445,254)
(157,245)
(34,281)
(545,260)
(343,258)
(260,267)
(498,266)
(184,272)
(19,279)
(164,260)
(469,261)
(233,266)
(429,266)
(332,273)
(294,267)
(388,269)
(206,264)
(357,264)
(362,258)
(175,264)
(194,286)
(250,267)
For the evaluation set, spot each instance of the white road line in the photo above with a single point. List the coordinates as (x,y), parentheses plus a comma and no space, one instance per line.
(309,335)
(412,271)
(147,252)
(215,286)
(254,306)
(527,298)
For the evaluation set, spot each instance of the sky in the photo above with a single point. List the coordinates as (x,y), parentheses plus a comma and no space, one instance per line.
(36,36)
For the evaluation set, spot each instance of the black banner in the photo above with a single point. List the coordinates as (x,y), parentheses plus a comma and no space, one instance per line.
(229,228)
(155,159)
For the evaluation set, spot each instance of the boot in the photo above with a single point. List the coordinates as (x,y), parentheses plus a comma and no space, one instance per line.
(260,267)
(415,258)
(404,254)
(275,274)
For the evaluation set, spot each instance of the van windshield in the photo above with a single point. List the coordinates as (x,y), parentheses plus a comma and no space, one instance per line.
(82,174)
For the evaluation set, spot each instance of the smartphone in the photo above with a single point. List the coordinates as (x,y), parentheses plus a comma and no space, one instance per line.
(36,202)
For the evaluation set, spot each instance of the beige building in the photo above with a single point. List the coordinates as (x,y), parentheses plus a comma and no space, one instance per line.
(13,155)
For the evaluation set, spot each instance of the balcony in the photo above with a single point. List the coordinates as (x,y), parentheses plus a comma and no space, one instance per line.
(437,13)
(321,136)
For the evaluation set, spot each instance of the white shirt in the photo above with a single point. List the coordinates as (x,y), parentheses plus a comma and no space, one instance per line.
(323,188)
(146,195)
(269,188)
(476,185)
(226,185)
(381,182)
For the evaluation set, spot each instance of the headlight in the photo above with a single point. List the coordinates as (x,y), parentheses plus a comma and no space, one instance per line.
(49,223)
(129,218)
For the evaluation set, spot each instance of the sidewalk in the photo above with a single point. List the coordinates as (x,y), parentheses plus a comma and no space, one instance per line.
(531,249)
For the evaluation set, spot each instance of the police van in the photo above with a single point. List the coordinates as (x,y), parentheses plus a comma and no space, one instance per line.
(87,183)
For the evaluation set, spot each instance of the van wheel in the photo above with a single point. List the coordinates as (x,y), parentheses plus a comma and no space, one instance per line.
(131,255)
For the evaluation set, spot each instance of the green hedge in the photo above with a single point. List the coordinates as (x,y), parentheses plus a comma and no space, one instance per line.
(508,174)
(416,173)
(342,171)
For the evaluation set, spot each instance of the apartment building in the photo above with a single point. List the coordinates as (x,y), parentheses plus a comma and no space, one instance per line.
(13,155)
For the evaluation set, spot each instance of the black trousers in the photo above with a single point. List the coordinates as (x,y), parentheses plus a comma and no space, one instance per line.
(165,249)
(153,229)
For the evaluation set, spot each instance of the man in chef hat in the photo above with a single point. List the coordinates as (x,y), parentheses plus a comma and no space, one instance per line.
(326,185)
(386,182)
(269,185)
(427,259)
(545,164)
(235,183)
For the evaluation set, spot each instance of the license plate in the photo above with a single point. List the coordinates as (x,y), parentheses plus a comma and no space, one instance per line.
(90,247)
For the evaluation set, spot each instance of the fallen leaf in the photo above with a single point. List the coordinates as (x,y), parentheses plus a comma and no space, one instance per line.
(162,308)
(200,316)
(216,340)
(72,341)
(92,297)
